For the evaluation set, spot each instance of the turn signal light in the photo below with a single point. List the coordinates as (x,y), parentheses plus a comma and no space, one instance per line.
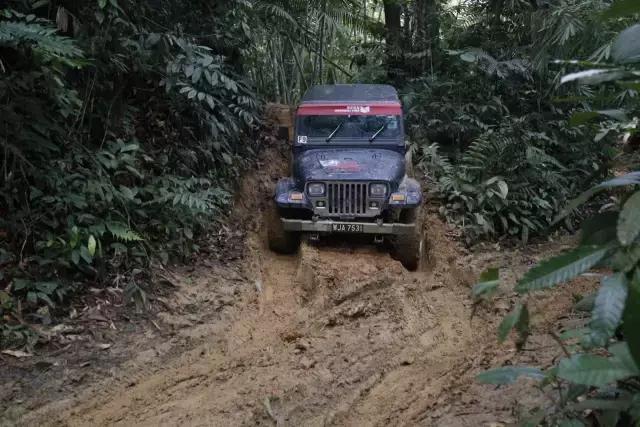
(295,195)
(398,197)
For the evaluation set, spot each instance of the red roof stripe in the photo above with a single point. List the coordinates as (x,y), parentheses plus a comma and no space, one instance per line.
(380,108)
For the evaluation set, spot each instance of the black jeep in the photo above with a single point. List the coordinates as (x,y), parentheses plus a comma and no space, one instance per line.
(349,173)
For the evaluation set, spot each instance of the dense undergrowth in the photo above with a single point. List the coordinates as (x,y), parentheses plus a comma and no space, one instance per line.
(122,137)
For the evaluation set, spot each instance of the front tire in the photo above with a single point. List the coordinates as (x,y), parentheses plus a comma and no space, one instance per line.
(279,239)
(409,248)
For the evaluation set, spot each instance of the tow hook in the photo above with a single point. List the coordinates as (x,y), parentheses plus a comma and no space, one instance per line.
(378,239)
(314,237)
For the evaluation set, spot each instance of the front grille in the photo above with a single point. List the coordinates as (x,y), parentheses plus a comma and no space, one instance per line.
(347,198)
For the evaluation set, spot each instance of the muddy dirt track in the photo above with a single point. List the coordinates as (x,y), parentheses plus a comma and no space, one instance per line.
(339,335)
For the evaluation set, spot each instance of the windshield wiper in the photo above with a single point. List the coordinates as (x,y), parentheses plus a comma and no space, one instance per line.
(332,134)
(379,131)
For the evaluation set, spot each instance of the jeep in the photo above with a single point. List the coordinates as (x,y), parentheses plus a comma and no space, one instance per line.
(349,168)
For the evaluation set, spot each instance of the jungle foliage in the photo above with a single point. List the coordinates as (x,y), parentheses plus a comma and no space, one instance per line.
(123,131)
(598,380)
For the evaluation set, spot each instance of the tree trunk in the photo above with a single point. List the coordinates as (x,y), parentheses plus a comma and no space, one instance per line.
(427,37)
(392,14)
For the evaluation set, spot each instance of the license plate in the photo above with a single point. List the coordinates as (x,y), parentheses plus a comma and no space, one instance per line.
(347,228)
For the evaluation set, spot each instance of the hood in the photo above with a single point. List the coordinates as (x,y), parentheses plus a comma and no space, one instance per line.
(342,164)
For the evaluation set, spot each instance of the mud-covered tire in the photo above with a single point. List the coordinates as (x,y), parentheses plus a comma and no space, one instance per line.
(279,240)
(409,248)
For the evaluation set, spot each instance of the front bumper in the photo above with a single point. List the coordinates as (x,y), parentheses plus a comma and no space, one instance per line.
(326,226)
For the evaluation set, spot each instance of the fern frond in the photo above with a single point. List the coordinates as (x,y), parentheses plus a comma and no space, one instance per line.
(42,40)
(122,232)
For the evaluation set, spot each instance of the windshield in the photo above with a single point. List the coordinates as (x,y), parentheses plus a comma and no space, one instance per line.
(324,129)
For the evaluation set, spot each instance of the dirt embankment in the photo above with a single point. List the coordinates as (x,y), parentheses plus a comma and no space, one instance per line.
(340,334)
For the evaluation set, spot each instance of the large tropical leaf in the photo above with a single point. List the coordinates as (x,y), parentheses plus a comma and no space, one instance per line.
(626,48)
(631,324)
(629,221)
(594,371)
(561,268)
(608,309)
(632,178)
(509,375)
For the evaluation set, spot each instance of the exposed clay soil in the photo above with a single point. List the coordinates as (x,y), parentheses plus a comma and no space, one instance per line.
(339,334)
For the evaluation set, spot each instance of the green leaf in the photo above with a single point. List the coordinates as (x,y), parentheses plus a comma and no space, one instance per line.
(634,411)
(622,8)
(75,256)
(582,117)
(504,189)
(469,57)
(44,297)
(32,297)
(129,147)
(91,245)
(85,255)
(47,287)
(626,47)
(608,309)
(19,284)
(629,220)
(488,284)
(122,232)
(601,405)
(622,354)
(594,371)
(518,318)
(631,324)
(561,268)
(195,77)
(509,375)
(632,178)
(597,76)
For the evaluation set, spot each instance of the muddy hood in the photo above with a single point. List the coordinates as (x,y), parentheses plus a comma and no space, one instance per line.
(372,164)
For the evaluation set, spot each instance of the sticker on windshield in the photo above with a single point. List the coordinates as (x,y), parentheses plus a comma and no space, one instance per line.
(302,139)
(362,109)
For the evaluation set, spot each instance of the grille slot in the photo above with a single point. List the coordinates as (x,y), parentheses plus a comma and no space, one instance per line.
(347,198)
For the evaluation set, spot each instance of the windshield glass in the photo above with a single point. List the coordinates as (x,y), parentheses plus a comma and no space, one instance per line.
(355,128)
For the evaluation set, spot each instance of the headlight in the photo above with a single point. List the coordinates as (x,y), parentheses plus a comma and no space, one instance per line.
(378,190)
(315,189)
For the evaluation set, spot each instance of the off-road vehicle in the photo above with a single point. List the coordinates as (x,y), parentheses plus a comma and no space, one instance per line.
(349,173)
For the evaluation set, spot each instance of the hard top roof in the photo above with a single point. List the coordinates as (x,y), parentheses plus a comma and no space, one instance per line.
(350,93)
